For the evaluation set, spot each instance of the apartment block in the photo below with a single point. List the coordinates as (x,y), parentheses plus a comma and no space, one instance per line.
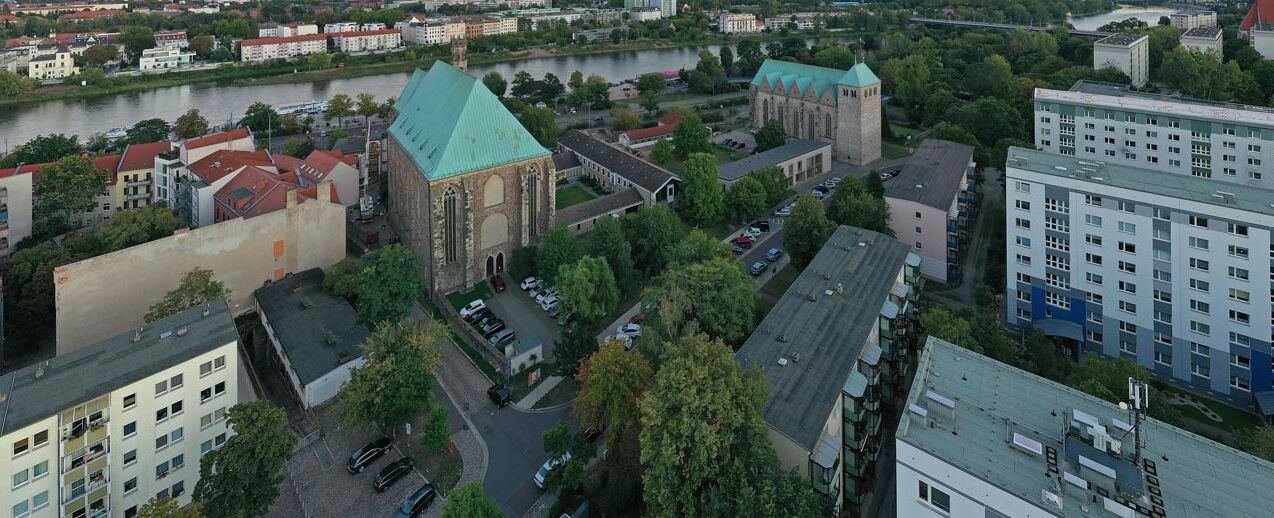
(431,32)
(1128,53)
(172,39)
(340,27)
(53,65)
(164,58)
(363,41)
(16,198)
(931,200)
(265,49)
(134,186)
(1168,270)
(1186,20)
(1203,39)
(645,14)
(100,431)
(982,438)
(1112,124)
(738,23)
(275,30)
(668,8)
(837,345)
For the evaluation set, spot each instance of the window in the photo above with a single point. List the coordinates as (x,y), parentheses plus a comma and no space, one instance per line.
(176,408)
(1022,277)
(1094,336)
(1200,327)
(1093,259)
(1240,340)
(1057,205)
(1162,276)
(1127,267)
(1093,298)
(1093,278)
(1163,296)
(1127,287)
(1023,223)
(1237,229)
(40,439)
(1199,221)
(1024,296)
(205,447)
(1092,200)
(1127,306)
(21,509)
(161,415)
(1240,295)
(161,470)
(1056,300)
(1061,263)
(1057,224)
(1240,383)
(21,446)
(1200,306)
(935,497)
(1200,349)
(1198,242)
(1056,281)
(161,442)
(919,230)
(1200,370)
(1199,285)
(918,214)
(130,457)
(40,470)
(176,436)
(1238,251)
(40,500)
(1199,264)
(1128,346)
(1022,186)
(130,401)
(175,382)
(1240,317)
(1163,358)
(1240,361)
(1024,242)
(130,485)
(1094,317)
(161,388)
(1092,220)
(1092,239)
(130,429)
(178,461)
(1238,273)
(1127,247)
(20,478)
(1128,327)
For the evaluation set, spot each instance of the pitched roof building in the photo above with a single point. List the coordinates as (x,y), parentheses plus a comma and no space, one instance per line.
(617,169)
(819,103)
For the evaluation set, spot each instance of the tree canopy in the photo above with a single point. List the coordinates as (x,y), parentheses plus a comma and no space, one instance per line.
(470,501)
(588,288)
(241,478)
(381,285)
(392,385)
(149,130)
(190,125)
(653,233)
(746,199)
(717,296)
(42,149)
(197,287)
(691,136)
(701,200)
(806,230)
(63,192)
(770,136)
(558,248)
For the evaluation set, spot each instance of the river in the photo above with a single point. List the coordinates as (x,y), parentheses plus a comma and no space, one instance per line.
(220,103)
(1150,15)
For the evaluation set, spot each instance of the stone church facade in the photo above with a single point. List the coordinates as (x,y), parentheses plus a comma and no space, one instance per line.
(823,104)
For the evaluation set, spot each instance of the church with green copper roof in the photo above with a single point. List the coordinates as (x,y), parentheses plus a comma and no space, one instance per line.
(468,183)
(841,107)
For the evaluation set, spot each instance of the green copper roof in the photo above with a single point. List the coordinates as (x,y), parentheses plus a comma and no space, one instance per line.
(449,123)
(810,77)
(859,75)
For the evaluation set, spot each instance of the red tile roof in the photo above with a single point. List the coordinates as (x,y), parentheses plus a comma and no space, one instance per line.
(285,39)
(108,163)
(90,15)
(8,17)
(1261,12)
(142,156)
(667,124)
(217,138)
(319,165)
(287,162)
(255,192)
(222,162)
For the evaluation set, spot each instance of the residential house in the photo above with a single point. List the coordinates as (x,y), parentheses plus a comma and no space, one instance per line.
(931,202)
(365,41)
(799,160)
(55,65)
(135,181)
(616,169)
(645,137)
(738,23)
(1127,53)
(287,47)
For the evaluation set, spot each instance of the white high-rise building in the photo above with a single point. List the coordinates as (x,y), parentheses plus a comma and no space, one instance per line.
(102,430)
(667,7)
(1128,53)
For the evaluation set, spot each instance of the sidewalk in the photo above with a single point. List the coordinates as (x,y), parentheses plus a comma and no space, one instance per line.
(538,393)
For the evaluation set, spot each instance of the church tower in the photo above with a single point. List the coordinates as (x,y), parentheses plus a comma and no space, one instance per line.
(858,116)
(460,53)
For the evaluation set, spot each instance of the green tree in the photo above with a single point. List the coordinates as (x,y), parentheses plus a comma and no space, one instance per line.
(29,291)
(770,136)
(63,191)
(991,77)
(367,107)
(625,119)
(392,386)
(319,61)
(575,344)
(167,507)
(860,210)
(1258,440)
(260,118)
(1112,376)
(662,153)
(387,283)
(652,83)
(558,248)
(43,148)
(588,288)
(576,81)
(339,107)
(136,38)
(611,381)
(1044,357)
(777,186)
(727,59)
(910,77)
(469,501)
(298,147)
(652,232)
(701,200)
(149,130)
(806,230)
(197,287)
(99,55)
(874,185)
(523,263)
(840,58)
(607,241)
(650,102)
(496,83)
(190,125)
(433,436)
(241,478)
(990,119)
(202,45)
(698,247)
(717,296)
(710,68)
(942,322)
(141,225)
(13,85)
(691,136)
(523,84)
(541,122)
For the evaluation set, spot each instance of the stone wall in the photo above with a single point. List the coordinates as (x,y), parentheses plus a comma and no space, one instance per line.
(110,294)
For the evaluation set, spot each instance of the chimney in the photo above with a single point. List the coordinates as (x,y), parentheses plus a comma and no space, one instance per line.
(325,191)
(292,198)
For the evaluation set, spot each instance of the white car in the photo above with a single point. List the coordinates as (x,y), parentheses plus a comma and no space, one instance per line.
(529,282)
(472,307)
(548,467)
(544,295)
(624,339)
(549,303)
(629,330)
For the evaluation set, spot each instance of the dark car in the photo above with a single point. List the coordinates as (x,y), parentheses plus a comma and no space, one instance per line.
(757,268)
(593,432)
(492,327)
(394,471)
(477,316)
(497,284)
(736,250)
(763,225)
(488,318)
(500,395)
(416,504)
(360,459)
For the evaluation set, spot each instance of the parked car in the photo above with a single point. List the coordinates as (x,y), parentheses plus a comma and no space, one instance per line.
(736,250)
(478,316)
(500,395)
(539,299)
(497,284)
(502,338)
(757,268)
(362,457)
(783,212)
(773,254)
(566,320)
(530,282)
(391,473)
(548,467)
(743,240)
(753,232)
(492,327)
(484,319)
(416,504)
(817,194)
(549,303)
(629,330)
(557,310)
(763,225)
(638,318)
(594,432)
(472,307)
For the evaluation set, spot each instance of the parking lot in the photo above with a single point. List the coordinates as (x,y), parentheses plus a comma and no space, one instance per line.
(521,314)
(326,488)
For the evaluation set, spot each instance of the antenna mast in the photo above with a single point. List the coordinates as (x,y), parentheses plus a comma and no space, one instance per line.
(1138,403)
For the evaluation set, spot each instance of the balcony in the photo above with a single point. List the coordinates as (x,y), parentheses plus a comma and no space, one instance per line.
(138,196)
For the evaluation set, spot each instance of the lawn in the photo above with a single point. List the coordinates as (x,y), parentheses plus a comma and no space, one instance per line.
(1233,419)
(775,288)
(572,195)
(564,392)
(724,155)
(518,383)
(902,132)
(442,468)
(459,300)
(894,151)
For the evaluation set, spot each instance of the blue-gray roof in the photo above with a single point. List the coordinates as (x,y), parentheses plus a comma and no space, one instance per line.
(745,166)
(317,331)
(932,175)
(829,332)
(1196,476)
(110,364)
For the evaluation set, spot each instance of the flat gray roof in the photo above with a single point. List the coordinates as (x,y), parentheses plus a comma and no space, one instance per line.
(1203,32)
(1196,476)
(1186,187)
(313,327)
(828,332)
(1121,96)
(88,373)
(740,168)
(932,175)
(1120,39)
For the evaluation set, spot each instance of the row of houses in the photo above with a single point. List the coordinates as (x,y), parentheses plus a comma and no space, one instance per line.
(287,47)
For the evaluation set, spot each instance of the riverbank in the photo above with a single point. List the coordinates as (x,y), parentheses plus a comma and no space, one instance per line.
(258,76)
